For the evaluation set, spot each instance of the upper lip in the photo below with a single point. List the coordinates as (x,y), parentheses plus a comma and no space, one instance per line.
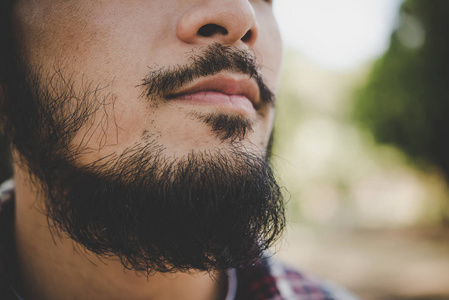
(226,83)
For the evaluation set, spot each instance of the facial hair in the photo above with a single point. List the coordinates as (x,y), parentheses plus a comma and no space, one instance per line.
(208,210)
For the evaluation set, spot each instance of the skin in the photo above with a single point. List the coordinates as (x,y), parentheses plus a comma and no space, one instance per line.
(113,44)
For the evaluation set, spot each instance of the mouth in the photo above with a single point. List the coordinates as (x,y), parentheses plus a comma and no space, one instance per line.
(230,90)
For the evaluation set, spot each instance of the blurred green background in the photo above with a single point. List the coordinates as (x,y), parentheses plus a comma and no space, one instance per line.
(361,152)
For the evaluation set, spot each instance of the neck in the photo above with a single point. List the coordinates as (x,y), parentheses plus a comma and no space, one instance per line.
(54,267)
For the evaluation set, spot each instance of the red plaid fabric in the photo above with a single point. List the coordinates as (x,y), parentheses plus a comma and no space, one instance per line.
(266,280)
(270,280)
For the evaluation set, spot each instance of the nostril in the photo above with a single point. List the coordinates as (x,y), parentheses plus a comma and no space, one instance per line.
(247,37)
(211,29)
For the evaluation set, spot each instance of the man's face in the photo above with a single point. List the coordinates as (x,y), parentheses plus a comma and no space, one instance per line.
(115,45)
(146,124)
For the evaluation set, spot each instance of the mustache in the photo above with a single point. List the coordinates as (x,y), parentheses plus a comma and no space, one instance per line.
(214,59)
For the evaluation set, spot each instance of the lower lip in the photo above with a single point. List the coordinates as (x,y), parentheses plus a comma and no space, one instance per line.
(209,98)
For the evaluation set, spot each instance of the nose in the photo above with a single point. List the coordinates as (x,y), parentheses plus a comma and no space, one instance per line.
(230,22)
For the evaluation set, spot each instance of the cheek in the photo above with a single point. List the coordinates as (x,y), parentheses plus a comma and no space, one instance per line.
(87,37)
(48,33)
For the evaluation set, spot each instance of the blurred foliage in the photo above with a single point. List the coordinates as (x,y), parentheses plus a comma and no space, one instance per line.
(405,101)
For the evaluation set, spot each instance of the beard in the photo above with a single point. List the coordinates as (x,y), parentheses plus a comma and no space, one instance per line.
(208,210)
